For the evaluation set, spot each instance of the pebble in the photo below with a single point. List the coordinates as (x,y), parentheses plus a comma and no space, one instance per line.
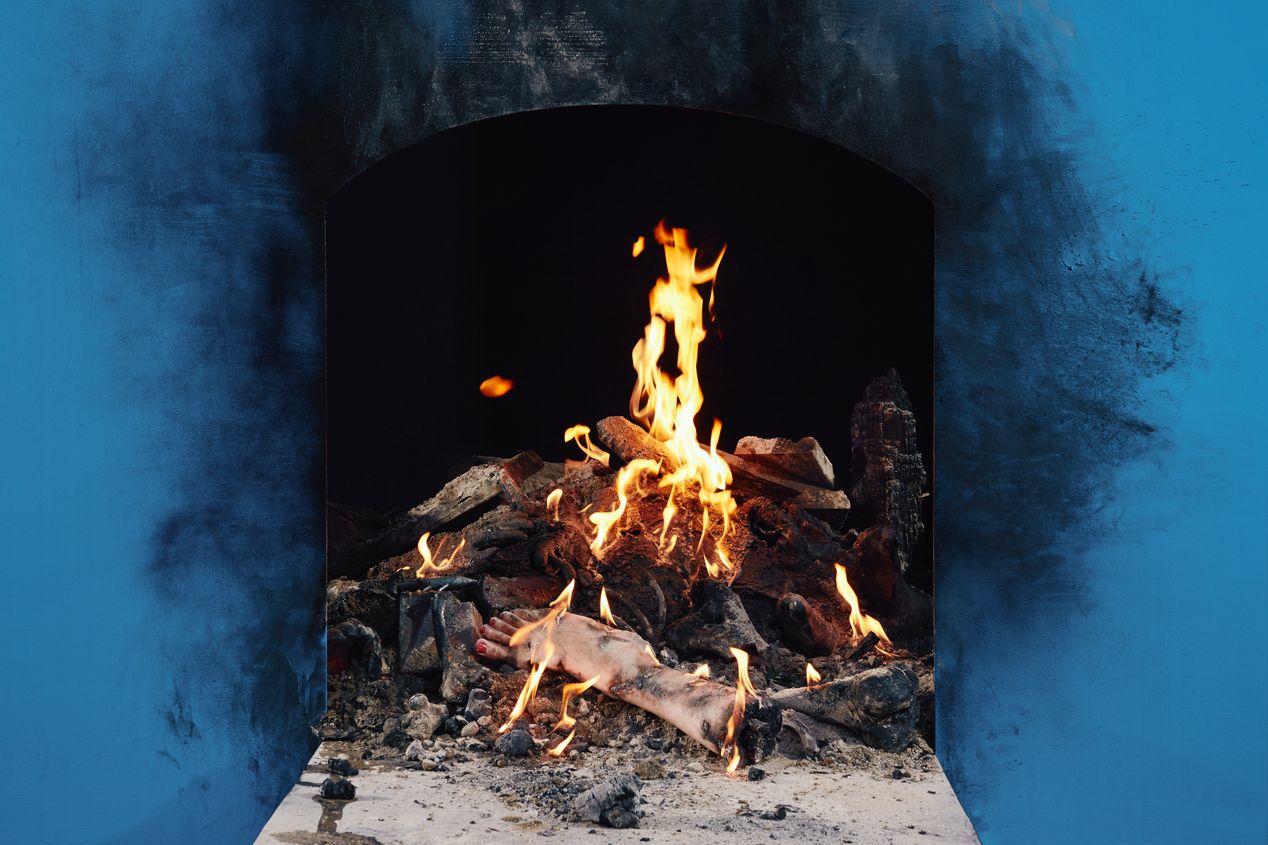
(338,790)
(340,766)
(470,729)
(755,773)
(478,705)
(428,765)
(695,766)
(416,751)
(649,769)
(517,743)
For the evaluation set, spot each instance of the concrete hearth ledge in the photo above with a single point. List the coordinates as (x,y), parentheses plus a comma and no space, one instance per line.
(475,800)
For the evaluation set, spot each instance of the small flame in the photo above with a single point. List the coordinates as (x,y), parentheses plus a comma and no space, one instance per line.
(570,691)
(651,653)
(581,433)
(558,750)
(557,608)
(860,623)
(495,386)
(701,671)
(743,685)
(529,690)
(428,565)
(552,501)
(812,676)
(605,609)
(638,246)
(605,520)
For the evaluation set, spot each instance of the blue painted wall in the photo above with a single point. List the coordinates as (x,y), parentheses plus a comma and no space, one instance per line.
(159,430)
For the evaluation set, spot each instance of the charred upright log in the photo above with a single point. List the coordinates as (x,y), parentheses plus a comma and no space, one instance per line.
(887,476)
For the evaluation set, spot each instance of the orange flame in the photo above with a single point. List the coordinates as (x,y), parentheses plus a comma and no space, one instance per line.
(605,520)
(860,623)
(812,676)
(581,433)
(605,609)
(742,686)
(542,660)
(701,671)
(570,691)
(428,564)
(529,690)
(495,386)
(552,501)
(558,750)
(638,246)
(667,405)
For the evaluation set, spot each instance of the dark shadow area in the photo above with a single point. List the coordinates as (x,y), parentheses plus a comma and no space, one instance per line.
(504,247)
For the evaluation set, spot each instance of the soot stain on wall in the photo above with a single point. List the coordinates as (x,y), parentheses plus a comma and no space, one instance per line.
(1044,329)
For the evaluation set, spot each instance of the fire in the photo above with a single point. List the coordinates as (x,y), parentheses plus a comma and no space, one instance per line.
(701,671)
(571,690)
(860,623)
(428,565)
(552,501)
(495,386)
(558,750)
(606,519)
(638,246)
(540,661)
(581,433)
(605,609)
(743,686)
(667,405)
(529,690)
(812,676)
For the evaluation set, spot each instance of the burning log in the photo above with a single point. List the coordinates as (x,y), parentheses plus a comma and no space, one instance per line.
(459,502)
(887,476)
(749,477)
(878,704)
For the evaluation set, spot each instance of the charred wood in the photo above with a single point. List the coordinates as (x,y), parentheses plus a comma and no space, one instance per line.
(878,704)
(887,475)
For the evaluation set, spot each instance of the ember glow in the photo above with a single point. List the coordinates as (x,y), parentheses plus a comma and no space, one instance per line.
(428,564)
(495,386)
(743,687)
(812,676)
(860,623)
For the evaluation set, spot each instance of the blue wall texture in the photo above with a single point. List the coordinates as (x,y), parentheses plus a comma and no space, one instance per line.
(1099,171)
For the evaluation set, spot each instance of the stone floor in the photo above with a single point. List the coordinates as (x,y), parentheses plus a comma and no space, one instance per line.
(470,799)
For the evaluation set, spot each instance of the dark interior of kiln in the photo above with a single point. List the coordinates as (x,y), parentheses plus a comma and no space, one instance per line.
(504,248)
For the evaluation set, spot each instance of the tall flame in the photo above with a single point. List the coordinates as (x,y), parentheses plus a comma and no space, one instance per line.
(860,623)
(743,686)
(666,404)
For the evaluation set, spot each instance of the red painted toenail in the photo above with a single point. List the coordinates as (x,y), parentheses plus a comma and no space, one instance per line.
(481,647)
